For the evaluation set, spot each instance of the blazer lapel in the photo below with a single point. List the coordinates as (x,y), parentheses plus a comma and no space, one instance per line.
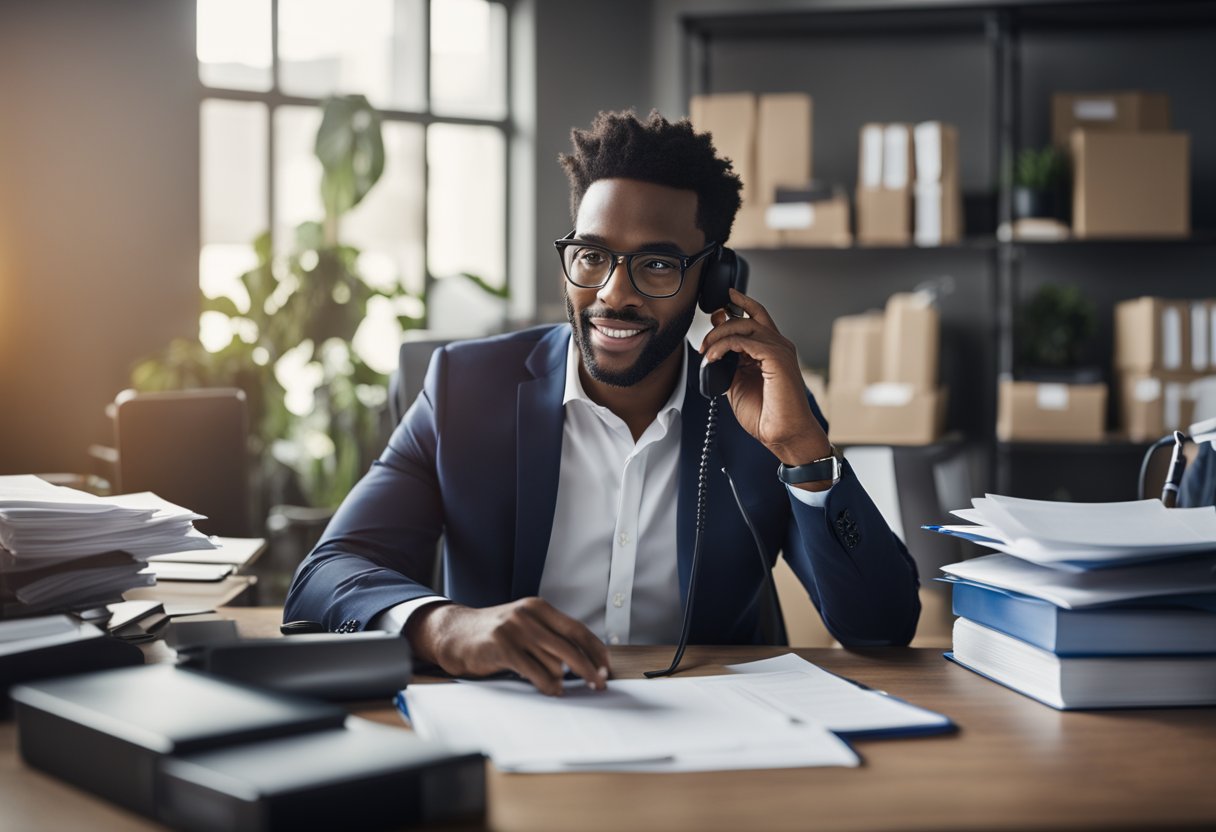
(539,420)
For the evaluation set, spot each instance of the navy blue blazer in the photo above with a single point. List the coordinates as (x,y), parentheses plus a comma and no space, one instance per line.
(476,458)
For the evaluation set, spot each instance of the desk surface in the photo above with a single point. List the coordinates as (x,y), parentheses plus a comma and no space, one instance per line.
(1015,764)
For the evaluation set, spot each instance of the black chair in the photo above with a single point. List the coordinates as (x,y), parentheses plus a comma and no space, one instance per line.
(189,447)
(405,383)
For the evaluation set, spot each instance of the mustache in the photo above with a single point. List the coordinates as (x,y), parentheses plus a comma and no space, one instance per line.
(625,316)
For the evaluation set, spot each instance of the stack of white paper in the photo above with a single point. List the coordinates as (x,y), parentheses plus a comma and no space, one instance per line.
(780,713)
(1103,567)
(65,549)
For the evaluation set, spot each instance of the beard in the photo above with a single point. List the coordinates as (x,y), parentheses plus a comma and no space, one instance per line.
(661,344)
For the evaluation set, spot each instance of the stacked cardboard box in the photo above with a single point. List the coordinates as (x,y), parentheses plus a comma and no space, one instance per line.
(883,375)
(1163,349)
(1131,174)
(768,139)
(1029,411)
(884,185)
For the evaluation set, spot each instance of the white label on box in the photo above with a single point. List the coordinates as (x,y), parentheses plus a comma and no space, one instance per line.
(1051,396)
(1094,109)
(895,173)
(1171,338)
(928,214)
(871,156)
(1172,416)
(1147,389)
(927,138)
(790,215)
(1199,336)
(887,394)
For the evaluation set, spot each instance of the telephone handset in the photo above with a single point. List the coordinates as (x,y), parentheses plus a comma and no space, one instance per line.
(723,271)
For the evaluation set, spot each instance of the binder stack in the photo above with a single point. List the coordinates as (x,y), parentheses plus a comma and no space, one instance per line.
(1088,605)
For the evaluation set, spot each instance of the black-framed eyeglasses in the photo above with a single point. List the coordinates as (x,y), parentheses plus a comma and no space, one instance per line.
(655,274)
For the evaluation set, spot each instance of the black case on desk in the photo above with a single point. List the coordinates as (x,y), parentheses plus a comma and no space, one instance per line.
(108,732)
(102,652)
(364,776)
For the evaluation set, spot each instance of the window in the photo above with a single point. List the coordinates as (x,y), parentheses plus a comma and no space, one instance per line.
(436,70)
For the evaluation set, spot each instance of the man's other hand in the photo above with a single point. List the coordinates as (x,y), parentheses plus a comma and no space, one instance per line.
(529,637)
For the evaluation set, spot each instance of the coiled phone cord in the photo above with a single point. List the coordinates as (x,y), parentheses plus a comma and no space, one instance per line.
(711,430)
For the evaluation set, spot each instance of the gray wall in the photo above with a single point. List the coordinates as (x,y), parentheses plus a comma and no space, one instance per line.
(98,212)
(590,56)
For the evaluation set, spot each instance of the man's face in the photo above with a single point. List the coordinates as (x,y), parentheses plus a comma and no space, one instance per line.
(623,335)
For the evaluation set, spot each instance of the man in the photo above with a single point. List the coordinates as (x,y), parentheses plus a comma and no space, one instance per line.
(561,463)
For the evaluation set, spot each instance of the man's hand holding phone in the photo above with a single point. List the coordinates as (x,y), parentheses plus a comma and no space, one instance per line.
(768,395)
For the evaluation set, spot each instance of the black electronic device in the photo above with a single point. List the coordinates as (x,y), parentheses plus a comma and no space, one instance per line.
(724,270)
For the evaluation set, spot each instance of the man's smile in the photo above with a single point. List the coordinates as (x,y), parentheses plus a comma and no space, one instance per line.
(612,335)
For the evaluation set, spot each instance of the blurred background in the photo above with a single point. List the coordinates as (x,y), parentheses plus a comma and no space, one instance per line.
(272,195)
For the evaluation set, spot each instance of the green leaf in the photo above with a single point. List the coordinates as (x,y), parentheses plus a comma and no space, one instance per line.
(350,147)
(503,291)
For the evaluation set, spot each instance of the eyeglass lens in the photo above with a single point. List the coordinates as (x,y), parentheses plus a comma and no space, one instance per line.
(657,275)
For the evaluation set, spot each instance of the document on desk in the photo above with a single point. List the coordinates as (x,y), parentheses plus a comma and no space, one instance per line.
(667,725)
(777,713)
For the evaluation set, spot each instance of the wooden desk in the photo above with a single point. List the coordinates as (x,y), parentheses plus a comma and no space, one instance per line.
(1015,764)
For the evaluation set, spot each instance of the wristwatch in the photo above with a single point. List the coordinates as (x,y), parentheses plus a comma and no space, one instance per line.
(821,470)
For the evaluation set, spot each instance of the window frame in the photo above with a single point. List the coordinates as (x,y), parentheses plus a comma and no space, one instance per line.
(274,98)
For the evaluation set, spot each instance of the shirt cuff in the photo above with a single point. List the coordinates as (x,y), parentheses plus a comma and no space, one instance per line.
(394,619)
(815,499)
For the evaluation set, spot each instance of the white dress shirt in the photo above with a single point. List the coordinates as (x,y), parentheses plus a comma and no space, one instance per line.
(611,562)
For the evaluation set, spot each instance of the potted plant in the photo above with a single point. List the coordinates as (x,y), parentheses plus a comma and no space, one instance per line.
(1040,184)
(303,313)
(1055,328)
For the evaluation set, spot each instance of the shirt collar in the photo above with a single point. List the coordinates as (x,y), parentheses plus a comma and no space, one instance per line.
(575,392)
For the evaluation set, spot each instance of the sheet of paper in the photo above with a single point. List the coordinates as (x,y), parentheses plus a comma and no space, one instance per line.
(635,725)
(1076,590)
(808,693)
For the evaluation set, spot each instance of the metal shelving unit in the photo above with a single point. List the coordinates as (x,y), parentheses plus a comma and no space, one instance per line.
(1001,27)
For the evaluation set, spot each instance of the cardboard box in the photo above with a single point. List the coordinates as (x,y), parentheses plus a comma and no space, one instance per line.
(1028,411)
(937,192)
(1117,111)
(818,385)
(783,143)
(1153,404)
(911,340)
(1154,334)
(1131,184)
(855,357)
(886,414)
(820,223)
(731,119)
(884,217)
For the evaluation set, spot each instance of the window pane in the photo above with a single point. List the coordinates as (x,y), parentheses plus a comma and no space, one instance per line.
(373,47)
(466,220)
(469,58)
(233,192)
(297,173)
(233,44)
(387,225)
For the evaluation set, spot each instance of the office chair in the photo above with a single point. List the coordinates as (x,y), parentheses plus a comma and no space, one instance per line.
(189,447)
(405,383)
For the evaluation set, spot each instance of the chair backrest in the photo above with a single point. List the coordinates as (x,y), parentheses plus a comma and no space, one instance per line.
(190,447)
(405,383)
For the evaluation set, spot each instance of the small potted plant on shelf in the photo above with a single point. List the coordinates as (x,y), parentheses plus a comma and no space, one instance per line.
(1040,184)
(1055,329)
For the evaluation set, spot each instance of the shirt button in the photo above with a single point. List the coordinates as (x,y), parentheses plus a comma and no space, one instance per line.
(624,538)
(618,600)
(614,639)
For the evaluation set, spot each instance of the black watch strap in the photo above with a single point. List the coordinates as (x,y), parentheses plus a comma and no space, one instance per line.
(821,470)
